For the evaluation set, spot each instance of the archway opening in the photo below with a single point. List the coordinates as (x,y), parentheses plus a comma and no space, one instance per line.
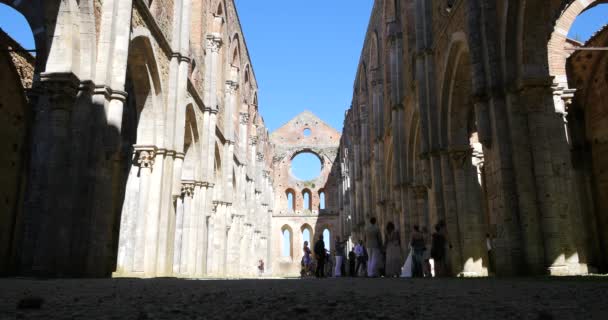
(306,166)
(307,235)
(321,200)
(307,200)
(286,242)
(327,239)
(17,67)
(291,200)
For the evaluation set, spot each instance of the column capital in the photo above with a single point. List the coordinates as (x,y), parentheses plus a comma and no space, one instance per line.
(60,85)
(188,188)
(244,117)
(231,87)
(145,155)
(214,42)
(460,155)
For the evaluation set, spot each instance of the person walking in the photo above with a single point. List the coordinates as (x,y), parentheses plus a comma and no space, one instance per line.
(418,246)
(352,260)
(306,260)
(438,253)
(490,248)
(393,251)
(340,253)
(361,254)
(373,242)
(319,251)
(426,257)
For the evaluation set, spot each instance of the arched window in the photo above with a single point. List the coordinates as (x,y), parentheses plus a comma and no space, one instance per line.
(291,200)
(321,200)
(307,235)
(327,239)
(307,199)
(286,243)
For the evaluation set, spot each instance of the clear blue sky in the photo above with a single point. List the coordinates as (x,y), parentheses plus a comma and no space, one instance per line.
(305,55)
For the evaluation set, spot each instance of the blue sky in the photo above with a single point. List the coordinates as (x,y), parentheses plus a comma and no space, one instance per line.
(305,55)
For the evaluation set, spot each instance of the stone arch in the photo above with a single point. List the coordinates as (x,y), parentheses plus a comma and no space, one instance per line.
(556,54)
(306,150)
(374,56)
(218,172)
(290,195)
(456,91)
(190,168)
(144,76)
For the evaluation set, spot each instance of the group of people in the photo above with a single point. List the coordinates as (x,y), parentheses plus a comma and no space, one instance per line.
(373,257)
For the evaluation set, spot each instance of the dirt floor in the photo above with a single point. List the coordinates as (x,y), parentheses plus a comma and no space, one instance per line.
(531,298)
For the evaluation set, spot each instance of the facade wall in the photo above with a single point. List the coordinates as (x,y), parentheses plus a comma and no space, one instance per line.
(459,118)
(289,141)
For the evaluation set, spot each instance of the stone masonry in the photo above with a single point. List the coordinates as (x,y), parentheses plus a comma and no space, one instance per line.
(482,115)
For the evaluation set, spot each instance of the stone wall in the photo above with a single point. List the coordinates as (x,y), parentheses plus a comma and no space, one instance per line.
(17,70)
(123,174)
(458,119)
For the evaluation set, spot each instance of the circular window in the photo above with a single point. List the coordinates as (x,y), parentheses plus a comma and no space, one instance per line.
(307,132)
(306,166)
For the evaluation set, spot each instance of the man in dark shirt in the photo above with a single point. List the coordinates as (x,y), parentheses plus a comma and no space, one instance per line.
(352,259)
(438,251)
(319,251)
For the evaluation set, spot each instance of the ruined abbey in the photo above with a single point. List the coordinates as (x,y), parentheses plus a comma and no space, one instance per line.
(134,147)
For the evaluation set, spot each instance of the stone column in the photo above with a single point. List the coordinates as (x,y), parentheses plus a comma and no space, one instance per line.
(214,43)
(470,216)
(452,217)
(146,157)
(179,234)
(48,216)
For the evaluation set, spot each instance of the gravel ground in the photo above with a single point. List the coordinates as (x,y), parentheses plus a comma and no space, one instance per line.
(527,298)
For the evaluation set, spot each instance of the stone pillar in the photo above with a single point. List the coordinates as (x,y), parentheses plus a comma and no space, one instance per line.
(470,214)
(48,216)
(146,157)
(214,43)
(452,218)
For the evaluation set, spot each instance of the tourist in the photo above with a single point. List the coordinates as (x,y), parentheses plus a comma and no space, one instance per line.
(438,251)
(373,242)
(361,254)
(393,251)
(418,247)
(352,261)
(306,260)
(319,251)
(329,264)
(261,267)
(406,270)
(340,253)
(490,247)
(426,256)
